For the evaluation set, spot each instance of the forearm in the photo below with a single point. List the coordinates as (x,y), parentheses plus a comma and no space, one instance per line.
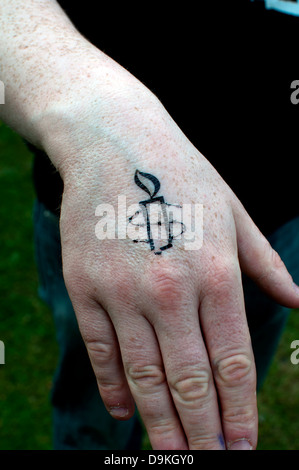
(47,67)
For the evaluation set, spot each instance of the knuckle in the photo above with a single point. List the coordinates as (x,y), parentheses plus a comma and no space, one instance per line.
(275,259)
(207,442)
(165,285)
(234,370)
(163,434)
(99,351)
(163,429)
(191,388)
(270,261)
(77,280)
(74,283)
(222,276)
(109,390)
(145,377)
(240,417)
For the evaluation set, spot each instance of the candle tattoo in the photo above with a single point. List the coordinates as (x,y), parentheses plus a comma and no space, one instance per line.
(151,185)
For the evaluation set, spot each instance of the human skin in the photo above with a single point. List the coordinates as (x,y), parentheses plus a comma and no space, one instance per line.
(168,332)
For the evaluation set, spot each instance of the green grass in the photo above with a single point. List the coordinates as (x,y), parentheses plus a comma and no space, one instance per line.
(26,326)
(27,329)
(279,398)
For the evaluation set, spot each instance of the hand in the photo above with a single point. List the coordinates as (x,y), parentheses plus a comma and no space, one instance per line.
(167,332)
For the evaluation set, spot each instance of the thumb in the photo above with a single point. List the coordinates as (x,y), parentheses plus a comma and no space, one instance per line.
(262,263)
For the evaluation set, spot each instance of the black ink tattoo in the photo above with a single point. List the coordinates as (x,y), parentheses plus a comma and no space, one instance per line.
(145,205)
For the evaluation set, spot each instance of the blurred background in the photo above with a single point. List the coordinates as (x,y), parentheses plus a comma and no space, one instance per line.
(27,330)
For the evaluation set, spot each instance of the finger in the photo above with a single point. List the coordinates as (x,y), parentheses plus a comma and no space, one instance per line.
(227,337)
(145,375)
(263,264)
(102,345)
(189,377)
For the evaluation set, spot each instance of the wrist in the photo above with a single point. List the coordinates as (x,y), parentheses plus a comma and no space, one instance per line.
(46,64)
(105,110)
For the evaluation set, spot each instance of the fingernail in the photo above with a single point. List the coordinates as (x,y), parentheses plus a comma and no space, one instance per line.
(240,444)
(118,411)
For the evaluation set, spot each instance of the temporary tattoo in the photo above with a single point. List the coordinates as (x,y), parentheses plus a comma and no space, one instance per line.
(164,220)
